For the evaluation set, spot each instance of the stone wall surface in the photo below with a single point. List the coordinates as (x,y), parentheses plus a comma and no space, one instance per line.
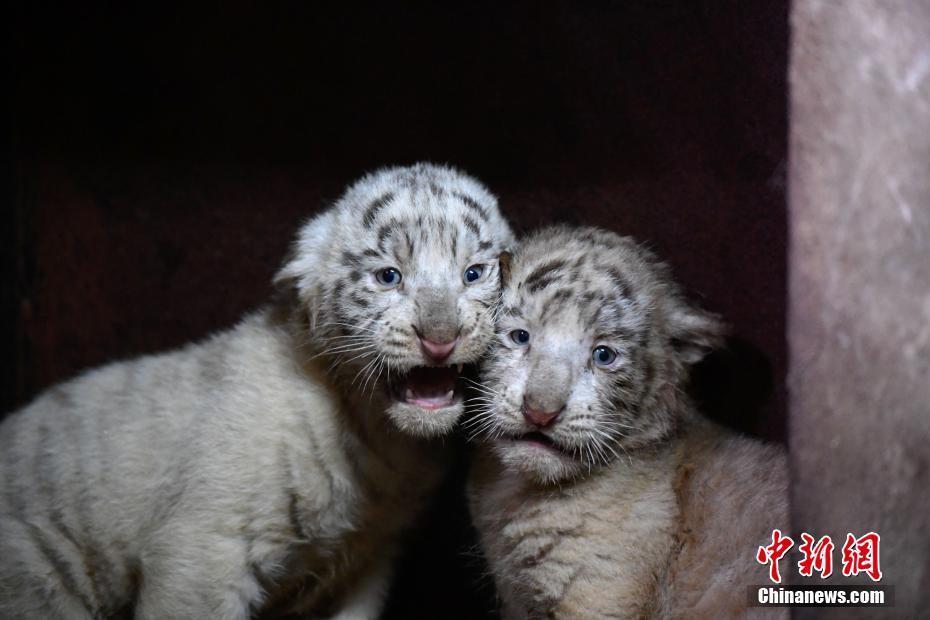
(859,292)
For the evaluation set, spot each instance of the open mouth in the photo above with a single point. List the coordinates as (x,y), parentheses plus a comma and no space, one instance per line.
(429,387)
(539,440)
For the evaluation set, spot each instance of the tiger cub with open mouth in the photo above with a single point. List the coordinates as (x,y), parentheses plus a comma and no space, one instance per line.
(273,467)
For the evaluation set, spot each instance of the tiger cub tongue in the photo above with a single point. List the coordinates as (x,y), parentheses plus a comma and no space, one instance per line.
(429,387)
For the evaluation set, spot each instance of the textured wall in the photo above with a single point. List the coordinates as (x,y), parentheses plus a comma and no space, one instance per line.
(860,284)
(164,158)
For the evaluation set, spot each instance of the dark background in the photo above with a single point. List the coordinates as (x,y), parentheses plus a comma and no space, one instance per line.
(163,159)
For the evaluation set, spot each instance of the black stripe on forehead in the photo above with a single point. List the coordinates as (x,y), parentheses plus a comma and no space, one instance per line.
(411,245)
(556,302)
(618,332)
(560,296)
(473,204)
(472,225)
(607,316)
(372,211)
(400,237)
(596,306)
(543,275)
(542,283)
(350,260)
(384,233)
(619,280)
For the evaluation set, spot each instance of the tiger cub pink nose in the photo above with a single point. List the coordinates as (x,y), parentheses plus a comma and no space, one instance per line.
(538,417)
(438,351)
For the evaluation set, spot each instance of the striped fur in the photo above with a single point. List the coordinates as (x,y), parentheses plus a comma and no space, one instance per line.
(628,504)
(267,469)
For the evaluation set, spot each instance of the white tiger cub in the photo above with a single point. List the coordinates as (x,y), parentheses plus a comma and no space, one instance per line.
(600,492)
(271,468)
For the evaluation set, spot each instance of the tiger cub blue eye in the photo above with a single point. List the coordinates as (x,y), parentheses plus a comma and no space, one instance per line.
(520,336)
(604,356)
(388,276)
(473,273)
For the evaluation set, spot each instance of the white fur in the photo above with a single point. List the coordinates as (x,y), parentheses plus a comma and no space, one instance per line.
(638,507)
(254,471)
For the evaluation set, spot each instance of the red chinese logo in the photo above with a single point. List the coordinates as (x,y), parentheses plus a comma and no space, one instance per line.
(817,557)
(860,555)
(771,554)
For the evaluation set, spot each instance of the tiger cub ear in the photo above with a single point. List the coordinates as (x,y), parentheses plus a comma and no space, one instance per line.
(301,273)
(503,260)
(695,332)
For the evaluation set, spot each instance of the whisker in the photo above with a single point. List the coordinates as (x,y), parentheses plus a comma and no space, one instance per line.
(371,375)
(340,350)
(352,326)
(363,369)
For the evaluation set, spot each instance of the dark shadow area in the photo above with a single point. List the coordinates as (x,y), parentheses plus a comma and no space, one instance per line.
(164,158)
(446,532)
(734,385)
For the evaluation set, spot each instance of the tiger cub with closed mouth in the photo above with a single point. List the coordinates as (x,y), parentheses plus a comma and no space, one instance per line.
(272,468)
(599,491)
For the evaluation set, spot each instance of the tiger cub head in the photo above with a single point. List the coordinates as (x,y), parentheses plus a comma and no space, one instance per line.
(592,355)
(397,284)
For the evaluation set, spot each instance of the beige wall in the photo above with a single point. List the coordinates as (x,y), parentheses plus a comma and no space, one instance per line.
(859,283)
